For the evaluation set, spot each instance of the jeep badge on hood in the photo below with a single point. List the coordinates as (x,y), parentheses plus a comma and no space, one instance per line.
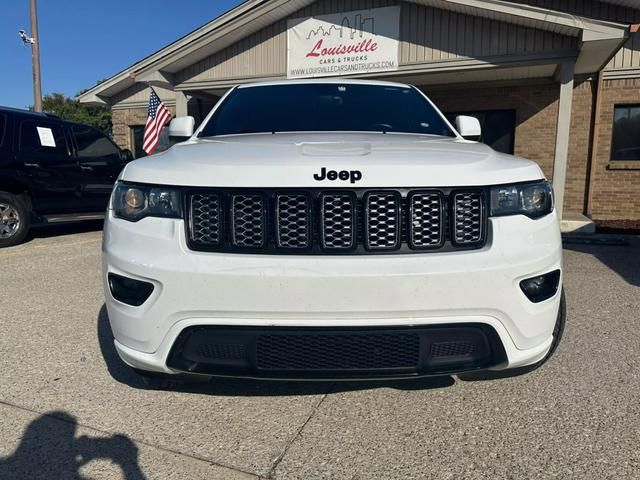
(352,175)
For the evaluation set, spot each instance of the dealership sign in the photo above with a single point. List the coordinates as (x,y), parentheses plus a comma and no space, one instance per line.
(362,41)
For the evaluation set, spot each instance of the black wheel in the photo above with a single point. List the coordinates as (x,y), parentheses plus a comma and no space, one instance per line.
(162,381)
(14,219)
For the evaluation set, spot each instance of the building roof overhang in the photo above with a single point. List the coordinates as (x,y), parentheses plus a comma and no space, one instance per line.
(599,40)
(622,3)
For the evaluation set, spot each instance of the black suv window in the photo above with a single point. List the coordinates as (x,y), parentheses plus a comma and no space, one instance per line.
(92,143)
(43,139)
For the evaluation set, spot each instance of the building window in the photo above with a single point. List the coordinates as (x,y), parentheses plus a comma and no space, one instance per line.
(137,137)
(137,134)
(625,144)
(498,127)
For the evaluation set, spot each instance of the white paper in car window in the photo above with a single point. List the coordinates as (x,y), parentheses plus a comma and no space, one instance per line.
(46,137)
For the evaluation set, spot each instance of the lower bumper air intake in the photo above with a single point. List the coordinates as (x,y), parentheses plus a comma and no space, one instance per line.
(334,353)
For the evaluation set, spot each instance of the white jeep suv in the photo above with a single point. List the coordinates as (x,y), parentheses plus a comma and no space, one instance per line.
(331,229)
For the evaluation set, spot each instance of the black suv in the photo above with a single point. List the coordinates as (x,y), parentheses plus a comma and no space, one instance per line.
(52,170)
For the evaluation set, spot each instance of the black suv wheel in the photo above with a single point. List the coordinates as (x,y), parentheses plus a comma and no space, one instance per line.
(14,219)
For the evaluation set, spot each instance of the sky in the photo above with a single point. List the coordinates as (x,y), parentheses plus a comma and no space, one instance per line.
(83,41)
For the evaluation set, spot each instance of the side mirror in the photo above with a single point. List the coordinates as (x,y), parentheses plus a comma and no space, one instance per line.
(126,155)
(468,127)
(182,127)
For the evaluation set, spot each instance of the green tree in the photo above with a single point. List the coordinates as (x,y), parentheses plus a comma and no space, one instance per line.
(71,109)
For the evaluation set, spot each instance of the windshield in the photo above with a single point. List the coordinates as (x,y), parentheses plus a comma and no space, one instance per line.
(325,107)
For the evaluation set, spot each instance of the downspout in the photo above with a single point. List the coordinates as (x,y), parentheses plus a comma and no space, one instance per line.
(595,142)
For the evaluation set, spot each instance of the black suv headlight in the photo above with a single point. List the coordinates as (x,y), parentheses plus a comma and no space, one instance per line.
(133,202)
(531,199)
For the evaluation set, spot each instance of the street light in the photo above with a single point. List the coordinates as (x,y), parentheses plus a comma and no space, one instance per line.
(26,39)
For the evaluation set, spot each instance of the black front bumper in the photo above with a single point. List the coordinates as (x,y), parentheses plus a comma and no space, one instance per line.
(336,352)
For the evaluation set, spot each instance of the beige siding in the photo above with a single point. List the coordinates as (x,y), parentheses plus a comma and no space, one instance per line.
(426,34)
(429,35)
(629,56)
(139,94)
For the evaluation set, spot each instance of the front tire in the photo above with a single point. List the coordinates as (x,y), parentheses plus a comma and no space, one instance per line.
(14,219)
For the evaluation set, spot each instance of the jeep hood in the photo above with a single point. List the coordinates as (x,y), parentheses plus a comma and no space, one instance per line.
(292,160)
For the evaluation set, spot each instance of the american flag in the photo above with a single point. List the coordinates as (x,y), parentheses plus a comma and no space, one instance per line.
(158,115)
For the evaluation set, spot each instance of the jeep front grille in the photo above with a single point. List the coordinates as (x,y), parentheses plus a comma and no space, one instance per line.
(248,227)
(338,221)
(467,222)
(293,220)
(382,220)
(317,221)
(426,220)
(206,219)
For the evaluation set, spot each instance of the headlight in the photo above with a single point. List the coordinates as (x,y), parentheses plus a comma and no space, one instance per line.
(133,202)
(531,199)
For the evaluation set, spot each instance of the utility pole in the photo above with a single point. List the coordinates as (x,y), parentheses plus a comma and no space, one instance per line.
(35,57)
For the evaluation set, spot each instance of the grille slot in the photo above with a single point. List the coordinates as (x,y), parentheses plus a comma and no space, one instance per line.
(206,219)
(337,352)
(293,221)
(468,221)
(221,351)
(426,220)
(248,222)
(314,221)
(338,222)
(452,349)
(382,220)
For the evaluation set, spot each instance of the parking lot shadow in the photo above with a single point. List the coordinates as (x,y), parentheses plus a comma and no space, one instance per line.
(623,258)
(238,387)
(49,449)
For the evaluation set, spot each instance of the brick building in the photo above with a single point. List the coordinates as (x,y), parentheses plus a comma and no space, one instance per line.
(556,81)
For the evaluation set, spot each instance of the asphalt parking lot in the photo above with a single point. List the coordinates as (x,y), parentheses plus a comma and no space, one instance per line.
(70,409)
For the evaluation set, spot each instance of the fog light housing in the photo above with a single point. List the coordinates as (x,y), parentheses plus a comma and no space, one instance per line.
(542,287)
(128,290)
